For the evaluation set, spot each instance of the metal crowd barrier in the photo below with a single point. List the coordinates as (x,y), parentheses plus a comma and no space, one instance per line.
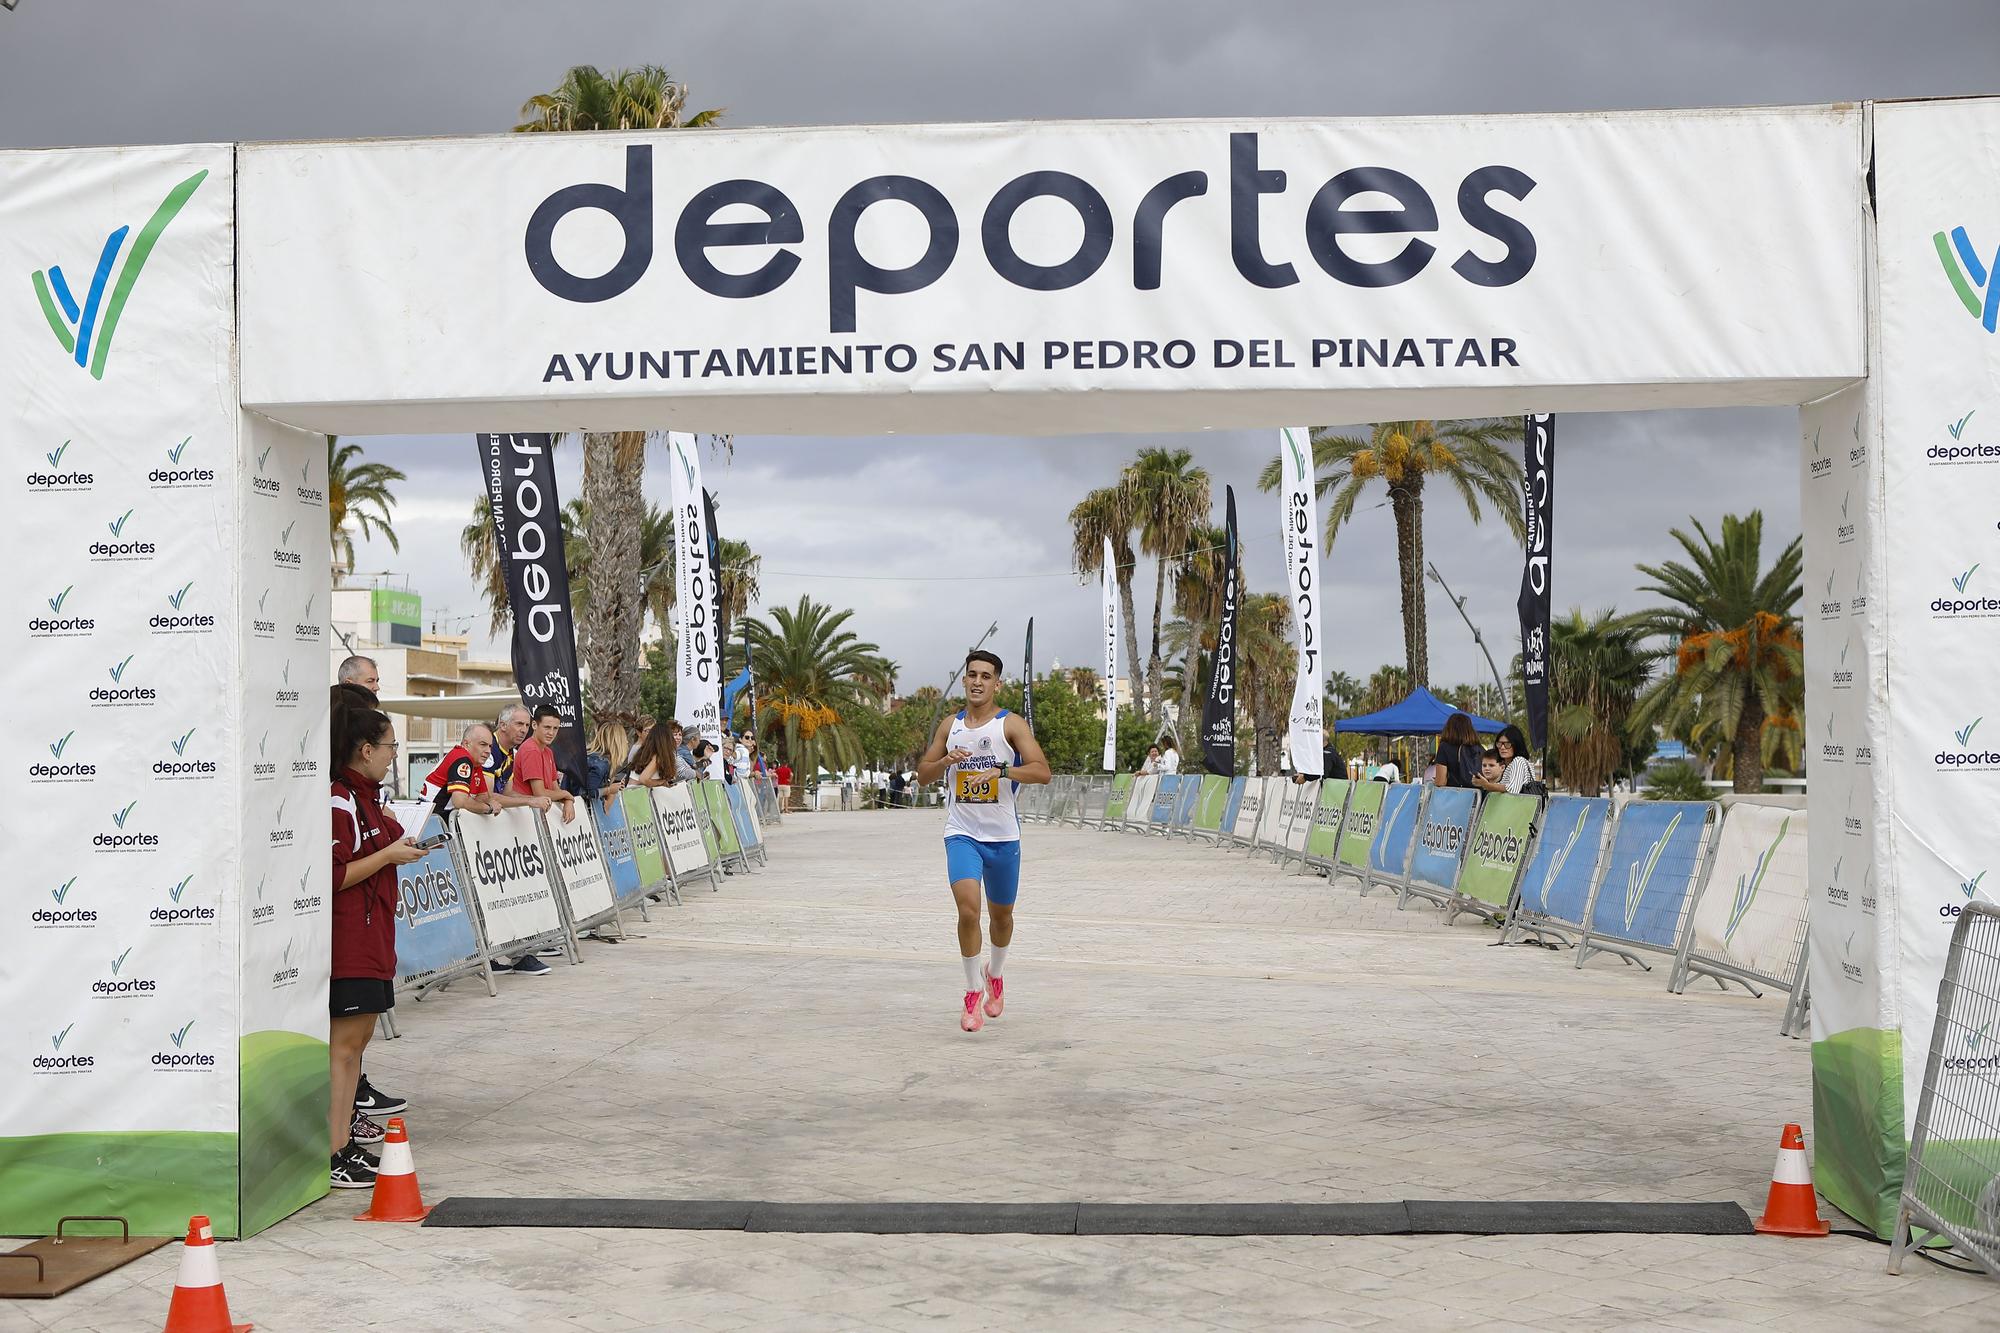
(1392,840)
(1749,925)
(1444,826)
(1655,869)
(1951,1187)
(1562,869)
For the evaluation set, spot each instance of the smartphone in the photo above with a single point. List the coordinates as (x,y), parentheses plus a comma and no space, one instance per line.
(432,844)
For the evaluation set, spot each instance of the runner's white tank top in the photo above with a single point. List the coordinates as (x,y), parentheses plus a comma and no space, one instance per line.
(979,803)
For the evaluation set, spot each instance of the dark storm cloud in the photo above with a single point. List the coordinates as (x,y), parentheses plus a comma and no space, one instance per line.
(913,513)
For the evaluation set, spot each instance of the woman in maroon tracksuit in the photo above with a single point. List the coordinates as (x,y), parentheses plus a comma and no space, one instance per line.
(368,845)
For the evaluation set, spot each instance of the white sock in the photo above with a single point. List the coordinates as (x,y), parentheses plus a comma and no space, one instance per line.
(972,977)
(999,961)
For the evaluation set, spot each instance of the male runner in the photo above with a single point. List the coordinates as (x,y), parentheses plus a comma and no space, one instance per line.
(983,752)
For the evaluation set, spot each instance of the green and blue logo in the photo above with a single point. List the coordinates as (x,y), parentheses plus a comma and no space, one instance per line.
(84,329)
(1968,276)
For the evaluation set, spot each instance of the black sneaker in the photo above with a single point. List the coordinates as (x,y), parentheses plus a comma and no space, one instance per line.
(368,1100)
(365,1131)
(351,1170)
(527,965)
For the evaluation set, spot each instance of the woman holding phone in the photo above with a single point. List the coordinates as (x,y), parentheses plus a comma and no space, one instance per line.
(368,845)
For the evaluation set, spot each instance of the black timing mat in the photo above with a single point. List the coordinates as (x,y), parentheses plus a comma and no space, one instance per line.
(1410,1218)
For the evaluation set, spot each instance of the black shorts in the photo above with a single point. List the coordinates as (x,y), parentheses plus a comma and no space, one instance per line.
(347,996)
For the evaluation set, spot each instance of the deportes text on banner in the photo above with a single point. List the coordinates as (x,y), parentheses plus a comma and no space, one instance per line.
(697,679)
(527,534)
(1110,661)
(1538,502)
(1305,734)
(1218,709)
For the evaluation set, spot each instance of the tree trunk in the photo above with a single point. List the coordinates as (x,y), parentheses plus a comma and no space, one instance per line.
(1134,675)
(1406,500)
(1156,692)
(613,469)
(1747,751)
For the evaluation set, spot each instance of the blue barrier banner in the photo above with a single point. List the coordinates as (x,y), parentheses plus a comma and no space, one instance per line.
(1447,826)
(1557,881)
(746,833)
(1184,800)
(1233,804)
(433,930)
(1163,799)
(614,833)
(1650,871)
(1395,828)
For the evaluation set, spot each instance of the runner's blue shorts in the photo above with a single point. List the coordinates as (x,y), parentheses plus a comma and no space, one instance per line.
(995,864)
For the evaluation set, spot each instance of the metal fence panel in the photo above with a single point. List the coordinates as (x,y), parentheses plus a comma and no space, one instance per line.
(1574,834)
(1442,833)
(1394,834)
(1749,925)
(1951,1187)
(1649,877)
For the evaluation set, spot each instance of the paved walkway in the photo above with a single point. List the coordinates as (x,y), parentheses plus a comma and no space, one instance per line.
(1183,1024)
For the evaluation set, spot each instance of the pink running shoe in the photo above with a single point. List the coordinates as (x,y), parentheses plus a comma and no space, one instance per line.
(996,999)
(973,1019)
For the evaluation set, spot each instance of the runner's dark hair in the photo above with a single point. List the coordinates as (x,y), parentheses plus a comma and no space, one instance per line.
(981,655)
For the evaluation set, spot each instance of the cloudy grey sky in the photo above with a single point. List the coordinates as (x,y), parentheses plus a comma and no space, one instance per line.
(822,511)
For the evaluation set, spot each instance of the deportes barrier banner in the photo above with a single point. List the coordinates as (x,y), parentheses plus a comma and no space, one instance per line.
(1305,735)
(1110,594)
(1232,804)
(715,802)
(1185,796)
(1139,806)
(1538,505)
(1212,797)
(1650,871)
(1357,831)
(581,874)
(614,839)
(1753,913)
(1121,795)
(1443,828)
(1271,818)
(1166,791)
(503,863)
(1249,810)
(1324,840)
(739,815)
(527,535)
(1499,845)
(1301,798)
(1218,709)
(1558,879)
(1389,851)
(433,921)
(648,832)
(697,678)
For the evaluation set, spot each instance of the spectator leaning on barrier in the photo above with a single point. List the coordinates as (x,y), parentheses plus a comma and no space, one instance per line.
(1152,762)
(658,762)
(1170,758)
(368,845)
(459,780)
(610,745)
(535,771)
(1510,752)
(683,756)
(509,730)
(1456,761)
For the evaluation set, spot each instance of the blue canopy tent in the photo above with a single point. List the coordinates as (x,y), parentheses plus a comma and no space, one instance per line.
(1422,714)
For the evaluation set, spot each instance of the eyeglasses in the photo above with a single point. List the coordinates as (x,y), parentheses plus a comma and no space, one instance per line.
(387,745)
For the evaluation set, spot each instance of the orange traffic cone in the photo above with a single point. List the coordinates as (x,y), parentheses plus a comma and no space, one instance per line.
(1791,1209)
(199,1303)
(396,1198)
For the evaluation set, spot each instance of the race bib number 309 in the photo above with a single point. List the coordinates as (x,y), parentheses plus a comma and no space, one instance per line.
(976,786)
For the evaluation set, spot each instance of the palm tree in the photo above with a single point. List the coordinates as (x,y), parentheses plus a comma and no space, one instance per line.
(1267,667)
(1737,651)
(1389,685)
(1108,513)
(1404,454)
(738,576)
(812,674)
(1599,665)
(646,98)
(1086,683)
(358,501)
(1170,500)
